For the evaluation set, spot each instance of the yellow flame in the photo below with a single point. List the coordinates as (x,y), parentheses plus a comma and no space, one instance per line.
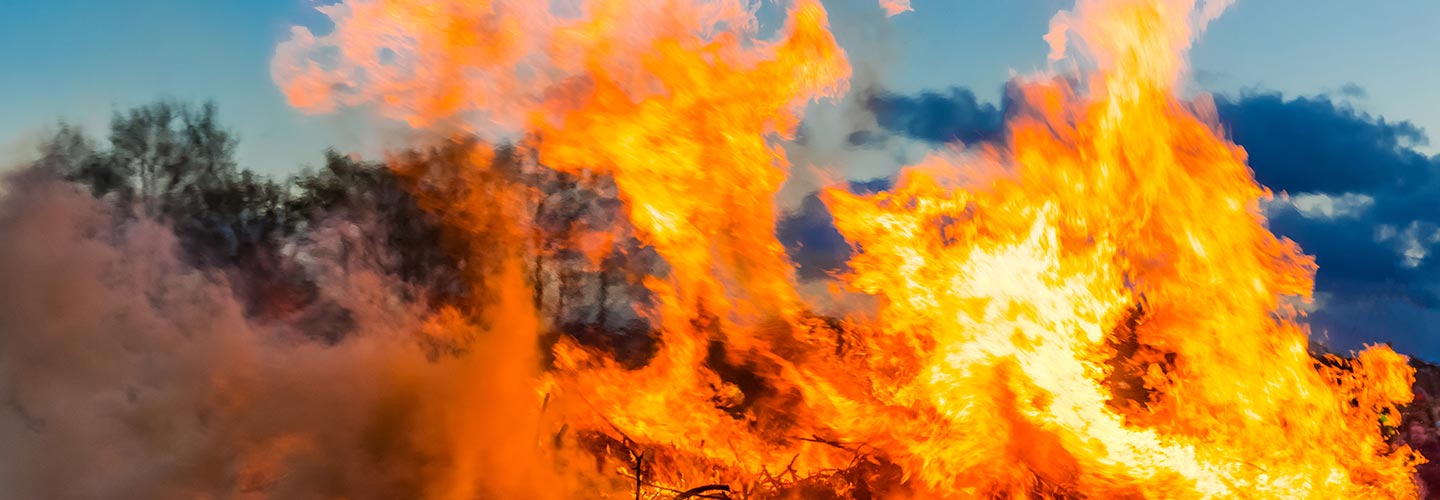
(1093,309)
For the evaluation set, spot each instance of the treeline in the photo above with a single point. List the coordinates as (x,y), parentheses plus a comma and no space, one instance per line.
(432,219)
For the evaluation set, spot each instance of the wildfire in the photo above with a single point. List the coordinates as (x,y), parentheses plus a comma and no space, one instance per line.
(1093,309)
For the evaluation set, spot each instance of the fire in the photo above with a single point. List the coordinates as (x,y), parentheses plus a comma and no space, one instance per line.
(1093,309)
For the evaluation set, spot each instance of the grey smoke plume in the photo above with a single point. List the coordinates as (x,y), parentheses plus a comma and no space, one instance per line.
(125,373)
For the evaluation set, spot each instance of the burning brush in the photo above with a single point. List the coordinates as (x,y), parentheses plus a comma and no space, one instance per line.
(1092,307)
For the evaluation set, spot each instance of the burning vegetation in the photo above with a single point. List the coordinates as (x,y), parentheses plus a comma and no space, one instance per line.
(1092,307)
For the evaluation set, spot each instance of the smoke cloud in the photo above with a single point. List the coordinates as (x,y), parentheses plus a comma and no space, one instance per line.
(127,373)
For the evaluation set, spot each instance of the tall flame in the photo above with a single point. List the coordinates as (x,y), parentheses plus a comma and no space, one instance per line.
(1093,309)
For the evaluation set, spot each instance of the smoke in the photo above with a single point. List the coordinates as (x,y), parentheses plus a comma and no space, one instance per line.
(21,149)
(895,7)
(127,373)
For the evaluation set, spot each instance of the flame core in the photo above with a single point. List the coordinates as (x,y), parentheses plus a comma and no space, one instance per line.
(1093,309)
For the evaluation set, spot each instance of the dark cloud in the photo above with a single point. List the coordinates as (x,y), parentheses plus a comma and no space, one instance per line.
(1355,263)
(810,237)
(955,115)
(1377,277)
(1365,202)
(1407,327)
(1312,144)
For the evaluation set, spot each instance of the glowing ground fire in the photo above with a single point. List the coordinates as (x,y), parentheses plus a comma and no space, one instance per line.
(1092,309)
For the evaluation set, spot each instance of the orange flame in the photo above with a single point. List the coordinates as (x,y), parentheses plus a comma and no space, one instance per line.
(1094,309)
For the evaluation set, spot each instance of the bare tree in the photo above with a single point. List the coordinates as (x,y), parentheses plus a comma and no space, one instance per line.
(166,147)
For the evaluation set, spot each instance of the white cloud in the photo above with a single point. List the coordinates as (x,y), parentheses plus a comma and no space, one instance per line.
(1413,243)
(1324,206)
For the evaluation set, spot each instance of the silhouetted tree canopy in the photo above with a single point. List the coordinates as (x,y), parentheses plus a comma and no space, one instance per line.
(431,218)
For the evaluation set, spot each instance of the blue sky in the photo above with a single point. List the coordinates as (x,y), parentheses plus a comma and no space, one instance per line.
(83,59)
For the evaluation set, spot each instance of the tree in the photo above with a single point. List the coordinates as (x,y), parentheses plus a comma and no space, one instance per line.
(170,150)
(441,219)
(397,236)
(72,155)
(174,162)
